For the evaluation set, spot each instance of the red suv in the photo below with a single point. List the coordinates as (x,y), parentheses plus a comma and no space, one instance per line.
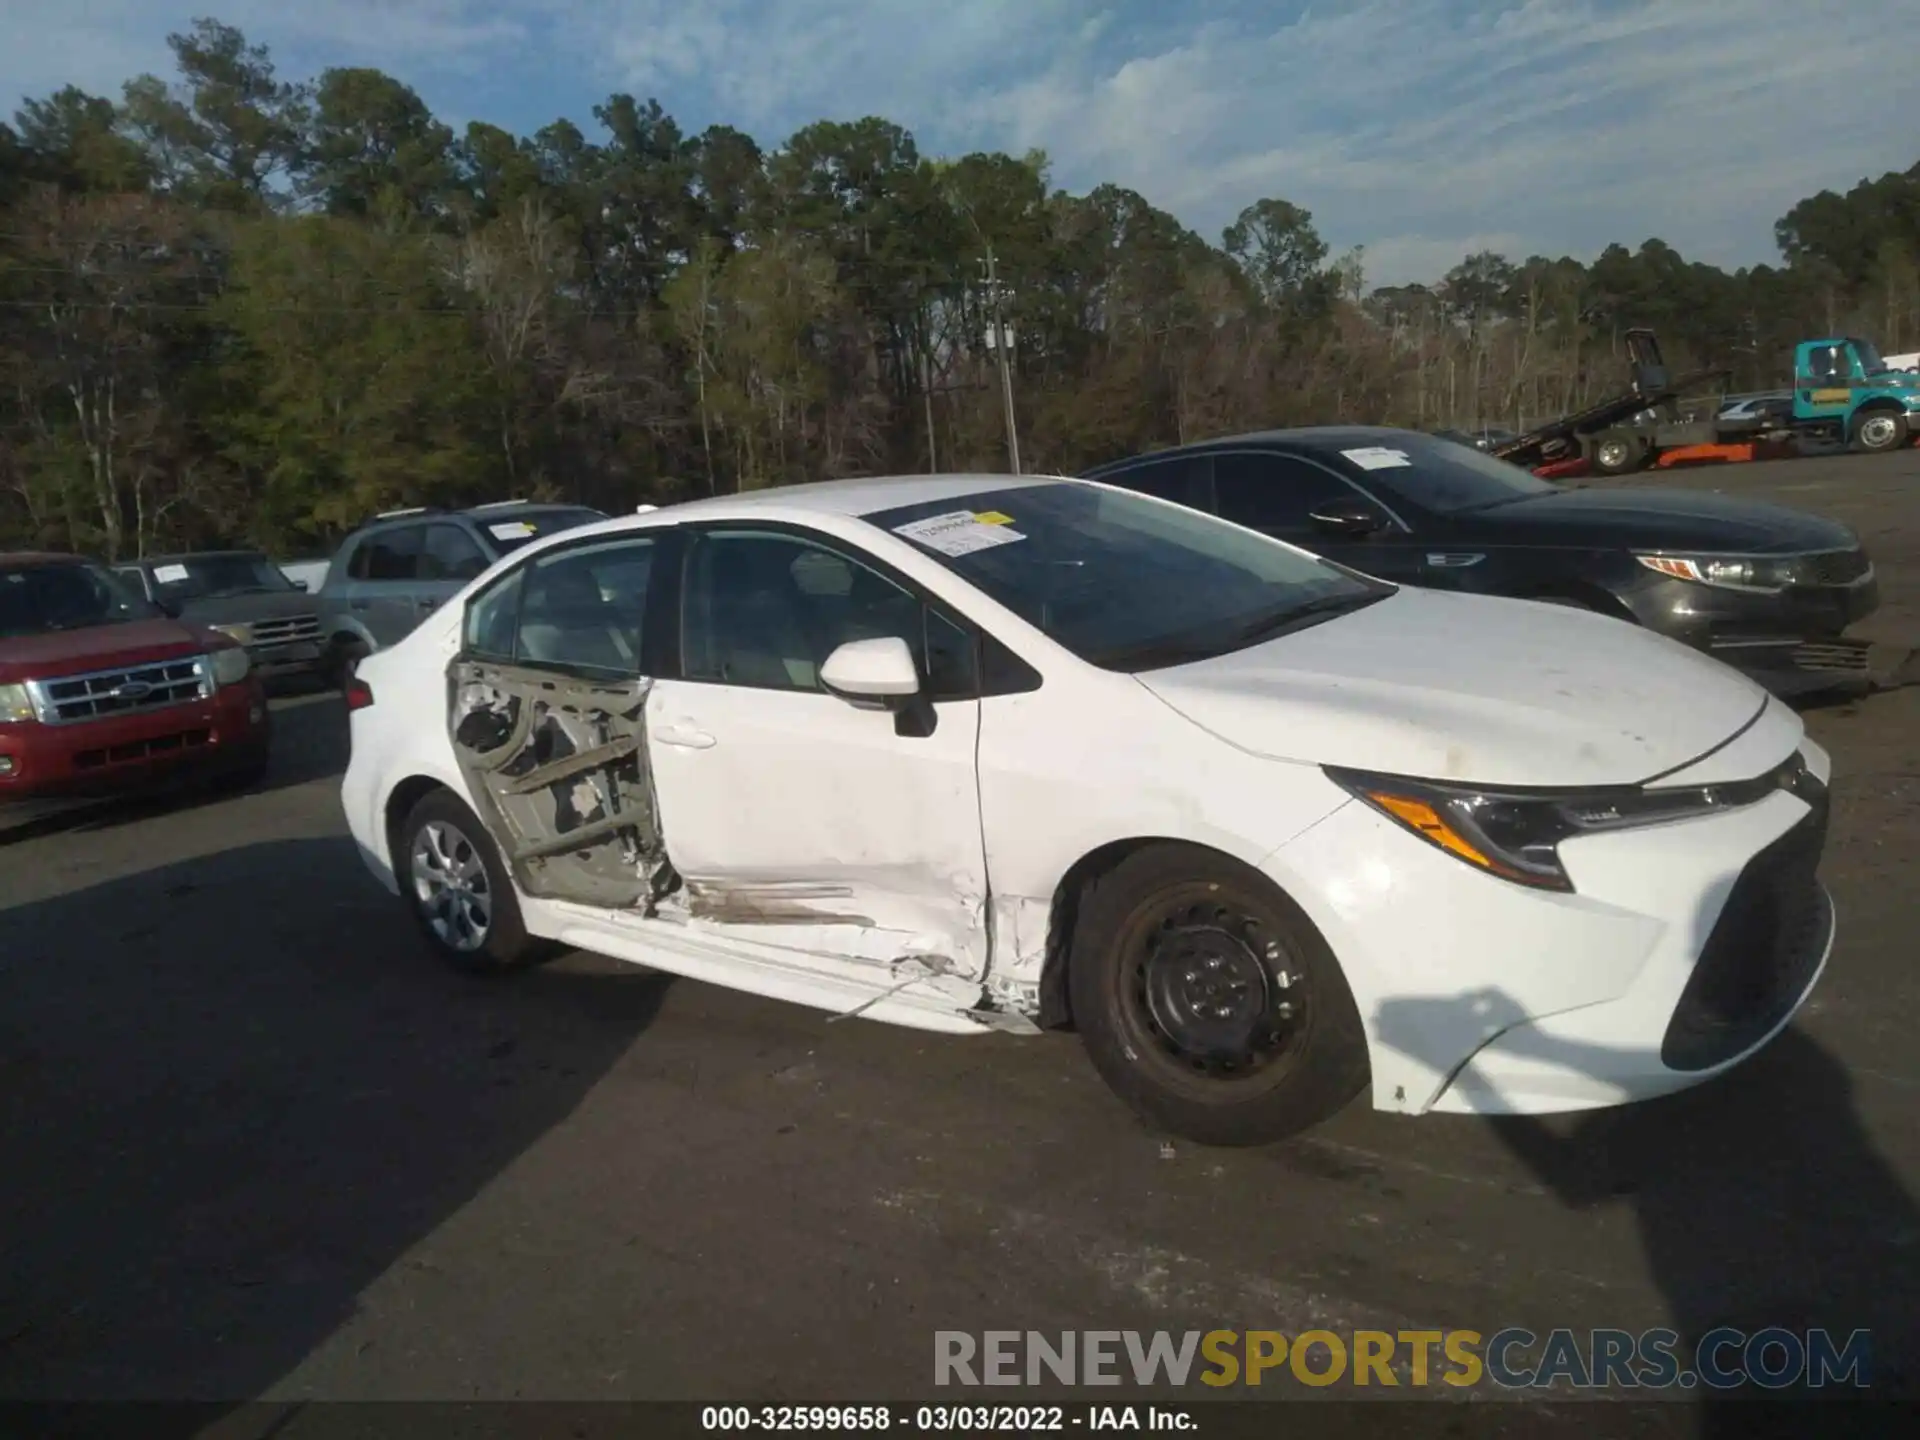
(104,692)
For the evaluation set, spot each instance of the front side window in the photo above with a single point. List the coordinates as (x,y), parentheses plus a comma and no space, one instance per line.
(766,610)
(42,599)
(1123,582)
(1274,492)
(583,608)
(207,577)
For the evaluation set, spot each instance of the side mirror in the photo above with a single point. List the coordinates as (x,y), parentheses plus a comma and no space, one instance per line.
(878,669)
(1349,517)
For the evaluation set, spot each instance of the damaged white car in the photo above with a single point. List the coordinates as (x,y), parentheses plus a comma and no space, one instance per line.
(976,753)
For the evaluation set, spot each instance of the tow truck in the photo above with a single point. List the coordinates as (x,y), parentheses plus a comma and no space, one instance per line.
(1844,392)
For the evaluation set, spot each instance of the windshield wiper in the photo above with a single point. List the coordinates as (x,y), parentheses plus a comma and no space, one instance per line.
(1165,653)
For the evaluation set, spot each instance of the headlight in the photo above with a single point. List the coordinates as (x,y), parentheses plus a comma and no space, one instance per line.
(242,633)
(230,665)
(1516,834)
(1730,572)
(16,706)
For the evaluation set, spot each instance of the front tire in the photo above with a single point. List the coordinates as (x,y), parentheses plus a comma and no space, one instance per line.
(458,891)
(1879,431)
(1209,1003)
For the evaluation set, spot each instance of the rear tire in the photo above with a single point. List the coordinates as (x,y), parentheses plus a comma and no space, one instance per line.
(458,891)
(1878,431)
(1209,1003)
(1618,455)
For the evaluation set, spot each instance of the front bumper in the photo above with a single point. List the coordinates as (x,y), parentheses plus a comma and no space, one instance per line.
(1684,948)
(1792,641)
(128,754)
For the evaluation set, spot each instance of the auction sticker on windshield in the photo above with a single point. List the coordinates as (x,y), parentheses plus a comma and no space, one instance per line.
(169,574)
(961,532)
(511,530)
(1378,457)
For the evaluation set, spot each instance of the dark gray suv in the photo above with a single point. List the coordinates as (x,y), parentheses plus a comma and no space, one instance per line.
(242,594)
(402,565)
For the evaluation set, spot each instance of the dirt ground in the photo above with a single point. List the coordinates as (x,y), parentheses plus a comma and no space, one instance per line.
(256,1142)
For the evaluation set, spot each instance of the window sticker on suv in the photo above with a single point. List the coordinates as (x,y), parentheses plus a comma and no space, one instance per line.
(510,530)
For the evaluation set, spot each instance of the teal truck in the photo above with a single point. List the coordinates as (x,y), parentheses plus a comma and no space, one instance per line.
(1844,392)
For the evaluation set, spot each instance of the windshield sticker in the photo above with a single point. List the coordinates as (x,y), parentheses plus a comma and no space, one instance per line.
(170,574)
(1378,457)
(511,530)
(960,532)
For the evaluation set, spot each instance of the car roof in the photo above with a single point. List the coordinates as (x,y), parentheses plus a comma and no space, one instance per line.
(1303,437)
(20,559)
(191,555)
(865,495)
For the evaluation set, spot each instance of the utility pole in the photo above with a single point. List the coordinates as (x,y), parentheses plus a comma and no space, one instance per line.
(926,398)
(1002,343)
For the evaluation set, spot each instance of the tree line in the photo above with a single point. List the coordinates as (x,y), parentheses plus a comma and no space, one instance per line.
(236,308)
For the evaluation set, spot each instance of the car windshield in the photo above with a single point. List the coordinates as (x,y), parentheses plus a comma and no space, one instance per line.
(69,595)
(205,577)
(509,529)
(1123,581)
(1441,476)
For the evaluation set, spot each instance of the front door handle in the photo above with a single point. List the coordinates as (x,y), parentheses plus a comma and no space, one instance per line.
(683,736)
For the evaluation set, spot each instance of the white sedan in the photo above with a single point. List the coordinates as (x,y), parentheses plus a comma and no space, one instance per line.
(976,753)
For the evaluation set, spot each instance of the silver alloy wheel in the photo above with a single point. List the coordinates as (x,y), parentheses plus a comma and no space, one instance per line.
(1878,431)
(1613,455)
(450,886)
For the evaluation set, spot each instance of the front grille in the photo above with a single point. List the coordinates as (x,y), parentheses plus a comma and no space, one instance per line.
(290,630)
(157,747)
(1832,567)
(128,691)
(1841,657)
(1762,952)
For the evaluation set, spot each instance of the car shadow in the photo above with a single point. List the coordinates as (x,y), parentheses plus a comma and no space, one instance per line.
(309,743)
(234,1093)
(1760,1198)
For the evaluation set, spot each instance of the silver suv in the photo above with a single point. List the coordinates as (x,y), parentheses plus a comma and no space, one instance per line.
(402,565)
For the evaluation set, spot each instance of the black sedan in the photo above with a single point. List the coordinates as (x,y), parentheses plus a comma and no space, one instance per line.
(1767,589)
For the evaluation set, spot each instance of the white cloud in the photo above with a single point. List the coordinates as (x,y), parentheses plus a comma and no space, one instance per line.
(1405,125)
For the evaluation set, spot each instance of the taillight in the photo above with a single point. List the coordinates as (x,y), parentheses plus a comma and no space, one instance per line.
(359,693)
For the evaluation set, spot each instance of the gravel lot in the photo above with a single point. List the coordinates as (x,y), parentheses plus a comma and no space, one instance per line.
(255,1142)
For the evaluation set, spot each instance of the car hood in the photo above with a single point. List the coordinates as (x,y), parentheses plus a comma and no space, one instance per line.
(244,609)
(1470,688)
(103,647)
(1671,520)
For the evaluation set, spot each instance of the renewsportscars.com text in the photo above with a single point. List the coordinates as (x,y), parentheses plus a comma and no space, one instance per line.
(1511,1358)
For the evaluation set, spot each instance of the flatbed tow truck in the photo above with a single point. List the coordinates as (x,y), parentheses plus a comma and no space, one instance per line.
(1843,393)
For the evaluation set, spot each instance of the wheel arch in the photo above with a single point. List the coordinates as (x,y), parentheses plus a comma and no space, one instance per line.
(1056,1006)
(399,804)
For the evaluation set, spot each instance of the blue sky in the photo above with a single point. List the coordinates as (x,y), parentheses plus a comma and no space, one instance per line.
(1421,129)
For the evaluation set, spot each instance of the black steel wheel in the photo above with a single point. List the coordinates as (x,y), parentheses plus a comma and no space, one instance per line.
(1208,1001)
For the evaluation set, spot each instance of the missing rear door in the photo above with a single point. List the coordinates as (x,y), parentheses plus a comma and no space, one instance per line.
(559,770)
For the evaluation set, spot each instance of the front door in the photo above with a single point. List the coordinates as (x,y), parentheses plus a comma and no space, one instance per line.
(800,819)
(1278,495)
